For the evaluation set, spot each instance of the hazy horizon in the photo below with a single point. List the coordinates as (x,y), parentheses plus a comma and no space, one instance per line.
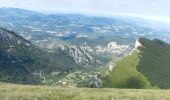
(156,10)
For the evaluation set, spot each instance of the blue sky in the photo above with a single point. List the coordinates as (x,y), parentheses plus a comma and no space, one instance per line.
(154,9)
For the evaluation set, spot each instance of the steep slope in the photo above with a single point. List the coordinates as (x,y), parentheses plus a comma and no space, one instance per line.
(155,62)
(126,75)
(16,62)
(148,66)
(23,62)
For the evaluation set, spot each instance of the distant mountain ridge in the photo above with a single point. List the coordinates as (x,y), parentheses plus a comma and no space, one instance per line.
(37,26)
(147,67)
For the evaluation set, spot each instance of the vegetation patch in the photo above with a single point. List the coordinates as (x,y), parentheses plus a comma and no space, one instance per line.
(125,74)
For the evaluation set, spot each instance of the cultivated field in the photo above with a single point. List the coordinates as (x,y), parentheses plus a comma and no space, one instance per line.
(25,92)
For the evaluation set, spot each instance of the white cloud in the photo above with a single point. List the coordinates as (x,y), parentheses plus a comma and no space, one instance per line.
(6,3)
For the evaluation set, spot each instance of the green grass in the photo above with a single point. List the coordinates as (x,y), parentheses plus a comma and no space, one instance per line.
(25,92)
(155,62)
(149,68)
(125,74)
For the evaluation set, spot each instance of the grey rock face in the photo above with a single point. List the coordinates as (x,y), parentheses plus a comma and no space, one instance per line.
(95,82)
(79,53)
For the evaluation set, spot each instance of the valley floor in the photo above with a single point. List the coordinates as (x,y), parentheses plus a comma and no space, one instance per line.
(26,92)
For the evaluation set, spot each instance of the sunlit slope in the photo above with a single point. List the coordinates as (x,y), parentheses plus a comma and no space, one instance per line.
(126,75)
(147,67)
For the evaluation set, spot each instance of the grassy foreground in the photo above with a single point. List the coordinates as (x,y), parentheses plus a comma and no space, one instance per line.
(25,92)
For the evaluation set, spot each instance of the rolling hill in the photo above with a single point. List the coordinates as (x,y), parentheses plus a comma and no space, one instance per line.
(147,67)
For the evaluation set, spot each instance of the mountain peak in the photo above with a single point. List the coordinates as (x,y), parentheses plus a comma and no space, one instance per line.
(12,38)
(137,43)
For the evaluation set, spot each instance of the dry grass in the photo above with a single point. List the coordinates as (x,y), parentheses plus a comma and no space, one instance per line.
(25,92)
